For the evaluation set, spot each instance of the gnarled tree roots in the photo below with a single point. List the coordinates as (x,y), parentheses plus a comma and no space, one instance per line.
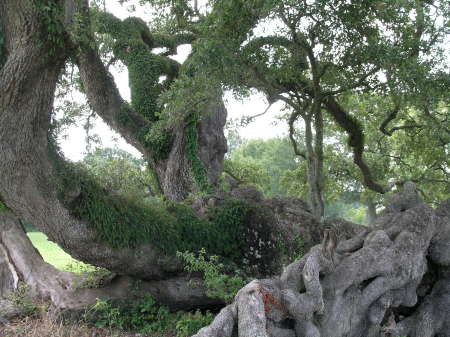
(393,279)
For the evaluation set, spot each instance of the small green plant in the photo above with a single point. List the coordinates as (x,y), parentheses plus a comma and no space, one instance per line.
(23,300)
(142,314)
(190,323)
(218,283)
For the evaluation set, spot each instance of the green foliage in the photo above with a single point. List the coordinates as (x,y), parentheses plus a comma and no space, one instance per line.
(119,172)
(218,283)
(160,139)
(50,12)
(247,171)
(140,314)
(146,316)
(189,324)
(126,221)
(263,163)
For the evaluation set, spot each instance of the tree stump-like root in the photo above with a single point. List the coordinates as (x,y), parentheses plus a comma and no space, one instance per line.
(391,280)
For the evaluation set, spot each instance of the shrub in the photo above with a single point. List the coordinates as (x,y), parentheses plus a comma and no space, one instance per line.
(190,323)
(146,316)
(218,284)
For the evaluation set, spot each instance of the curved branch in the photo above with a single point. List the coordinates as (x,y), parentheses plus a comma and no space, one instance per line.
(390,117)
(356,142)
(268,40)
(103,94)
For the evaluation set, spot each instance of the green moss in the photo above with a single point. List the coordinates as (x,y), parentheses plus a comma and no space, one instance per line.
(144,68)
(126,222)
(159,139)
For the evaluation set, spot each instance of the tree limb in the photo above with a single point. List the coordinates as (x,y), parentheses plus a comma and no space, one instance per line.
(356,142)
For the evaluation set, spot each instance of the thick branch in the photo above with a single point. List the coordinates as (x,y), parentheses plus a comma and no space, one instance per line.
(106,100)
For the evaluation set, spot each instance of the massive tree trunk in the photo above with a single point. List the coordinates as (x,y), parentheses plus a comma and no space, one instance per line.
(390,280)
(400,267)
(30,183)
(33,177)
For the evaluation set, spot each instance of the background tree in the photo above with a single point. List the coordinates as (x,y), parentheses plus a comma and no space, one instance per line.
(318,53)
(265,160)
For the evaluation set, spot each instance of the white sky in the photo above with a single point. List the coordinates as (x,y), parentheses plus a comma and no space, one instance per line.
(73,141)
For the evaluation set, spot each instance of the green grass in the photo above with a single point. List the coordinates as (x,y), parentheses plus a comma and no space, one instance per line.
(54,255)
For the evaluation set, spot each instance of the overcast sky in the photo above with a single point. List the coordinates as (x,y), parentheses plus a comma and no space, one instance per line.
(73,143)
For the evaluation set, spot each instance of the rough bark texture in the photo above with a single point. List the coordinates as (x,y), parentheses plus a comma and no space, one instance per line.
(391,279)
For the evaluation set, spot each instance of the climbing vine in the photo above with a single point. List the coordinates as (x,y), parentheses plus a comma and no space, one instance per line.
(123,221)
(50,12)
(197,167)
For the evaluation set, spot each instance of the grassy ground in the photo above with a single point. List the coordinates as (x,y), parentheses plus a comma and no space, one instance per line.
(54,255)
(40,324)
(43,326)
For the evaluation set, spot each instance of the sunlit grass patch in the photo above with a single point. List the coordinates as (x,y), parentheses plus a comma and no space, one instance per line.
(54,255)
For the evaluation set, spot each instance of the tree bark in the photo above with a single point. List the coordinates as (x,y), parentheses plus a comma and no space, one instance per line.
(392,280)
